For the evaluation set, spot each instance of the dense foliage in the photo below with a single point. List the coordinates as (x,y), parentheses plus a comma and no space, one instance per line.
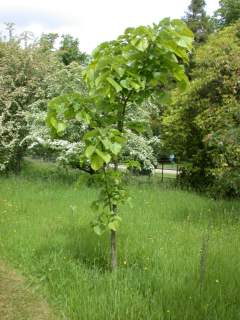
(229,12)
(203,123)
(64,79)
(22,74)
(32,72)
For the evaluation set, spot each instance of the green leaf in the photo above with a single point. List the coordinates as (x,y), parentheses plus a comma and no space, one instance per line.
(116,86)
(120,139)
(116,148)
(83,116)
(89,151)
(114,223)
(182,28)
(125,83)
(185,42)
(180,75)
(79,116)
(137,126)
(91,72)
(106,143)
(90,134)
(105,156)
(96,162)
(99,230)
(119,70)
(135,85)
(53,122)
(142,45)
(154,82)
(61,126)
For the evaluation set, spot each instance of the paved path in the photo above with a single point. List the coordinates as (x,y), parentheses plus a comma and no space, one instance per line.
(159,170)
(165,171)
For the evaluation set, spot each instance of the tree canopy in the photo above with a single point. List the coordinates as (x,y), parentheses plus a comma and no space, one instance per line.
(229,12)
(198,20)
(121,75)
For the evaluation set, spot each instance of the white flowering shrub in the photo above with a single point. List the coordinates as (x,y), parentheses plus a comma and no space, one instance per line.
(142,145)
(21,76)
(139,148)
(11,128)
(66,150)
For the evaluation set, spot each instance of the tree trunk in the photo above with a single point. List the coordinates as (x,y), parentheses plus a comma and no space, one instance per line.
(162,171)
(18,165)
(113,250)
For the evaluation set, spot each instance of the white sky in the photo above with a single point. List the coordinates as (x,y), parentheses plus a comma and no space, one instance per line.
(91,21)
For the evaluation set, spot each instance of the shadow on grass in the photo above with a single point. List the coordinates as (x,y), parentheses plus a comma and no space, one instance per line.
(78,244)
(49,172)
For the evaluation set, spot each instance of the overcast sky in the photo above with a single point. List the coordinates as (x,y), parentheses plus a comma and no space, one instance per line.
(91,21)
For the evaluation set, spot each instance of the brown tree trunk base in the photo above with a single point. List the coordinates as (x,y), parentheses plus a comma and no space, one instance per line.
(113,250)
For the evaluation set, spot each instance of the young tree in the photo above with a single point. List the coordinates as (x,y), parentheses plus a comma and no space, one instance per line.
(121,75)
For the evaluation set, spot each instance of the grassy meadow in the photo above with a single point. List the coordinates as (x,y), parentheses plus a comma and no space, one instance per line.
(179,253)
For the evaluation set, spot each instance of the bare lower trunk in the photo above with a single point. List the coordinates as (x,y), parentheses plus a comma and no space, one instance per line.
(113,250)
(203,257)
(114,234)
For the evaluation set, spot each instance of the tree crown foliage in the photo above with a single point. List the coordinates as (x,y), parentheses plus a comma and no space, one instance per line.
(198,20)
(121,75)
(125,72)
(229,12)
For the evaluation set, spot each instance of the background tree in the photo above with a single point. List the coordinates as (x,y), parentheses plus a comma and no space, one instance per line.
(229,12)
(69,51)
(22,74)
(10,27)
(47,41)
(26,37)
(198,21)
(65,150)
(203,123)
(30,76)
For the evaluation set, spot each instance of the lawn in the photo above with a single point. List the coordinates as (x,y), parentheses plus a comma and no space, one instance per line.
(178,251)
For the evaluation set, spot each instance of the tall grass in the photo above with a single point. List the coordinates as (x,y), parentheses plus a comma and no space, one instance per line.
(45,232)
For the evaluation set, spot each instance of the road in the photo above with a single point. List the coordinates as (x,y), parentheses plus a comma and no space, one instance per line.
(170,171)
(165,171)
